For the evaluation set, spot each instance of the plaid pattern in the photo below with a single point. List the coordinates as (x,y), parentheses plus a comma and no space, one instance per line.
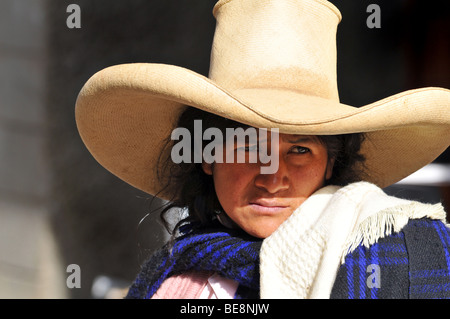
(232,255)
(414,263)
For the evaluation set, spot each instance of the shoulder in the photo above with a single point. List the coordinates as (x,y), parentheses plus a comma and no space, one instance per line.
(151,275)
(412,263)
(428,245)
(426,228)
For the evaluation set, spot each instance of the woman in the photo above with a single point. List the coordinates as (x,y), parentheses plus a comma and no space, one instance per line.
(318,226)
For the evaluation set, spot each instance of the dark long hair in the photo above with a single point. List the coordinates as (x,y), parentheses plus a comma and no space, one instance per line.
(193,191)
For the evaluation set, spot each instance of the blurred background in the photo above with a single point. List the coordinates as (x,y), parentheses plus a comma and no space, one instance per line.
(58,207)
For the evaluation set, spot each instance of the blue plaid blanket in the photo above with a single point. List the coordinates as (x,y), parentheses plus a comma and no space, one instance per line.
(232,254)
(414,263)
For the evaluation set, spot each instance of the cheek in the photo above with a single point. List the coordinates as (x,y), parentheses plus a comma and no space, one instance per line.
(310,178)
(231,182)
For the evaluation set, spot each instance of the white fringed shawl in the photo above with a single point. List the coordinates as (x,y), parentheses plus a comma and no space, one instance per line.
(301,258)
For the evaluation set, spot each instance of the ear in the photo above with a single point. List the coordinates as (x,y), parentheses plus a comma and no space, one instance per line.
(329,169)
(207,168)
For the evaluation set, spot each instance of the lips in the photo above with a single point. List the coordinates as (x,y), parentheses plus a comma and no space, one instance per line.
(267,206)
(268,202)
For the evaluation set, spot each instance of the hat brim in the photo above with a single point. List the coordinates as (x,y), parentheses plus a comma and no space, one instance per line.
(125,112)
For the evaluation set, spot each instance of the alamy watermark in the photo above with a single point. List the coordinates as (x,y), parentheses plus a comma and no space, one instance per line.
(250,145)
(374,279)
(73,20)
(374,19)
(74,279)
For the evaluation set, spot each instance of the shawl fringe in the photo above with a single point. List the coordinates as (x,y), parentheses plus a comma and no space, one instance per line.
(389,221)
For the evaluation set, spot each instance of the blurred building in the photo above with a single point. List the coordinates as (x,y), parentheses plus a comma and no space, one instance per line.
(59,207)
(29,265)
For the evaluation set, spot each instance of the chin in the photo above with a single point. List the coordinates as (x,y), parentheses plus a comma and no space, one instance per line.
(262,231)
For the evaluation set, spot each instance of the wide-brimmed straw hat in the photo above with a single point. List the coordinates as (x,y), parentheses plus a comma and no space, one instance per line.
(273,65)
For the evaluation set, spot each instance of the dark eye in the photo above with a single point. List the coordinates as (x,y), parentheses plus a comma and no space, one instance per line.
(299,150)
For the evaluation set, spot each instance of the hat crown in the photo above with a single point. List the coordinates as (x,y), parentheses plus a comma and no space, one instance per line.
(276,44)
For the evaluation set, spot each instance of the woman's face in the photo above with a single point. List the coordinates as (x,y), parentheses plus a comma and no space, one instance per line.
(260,203)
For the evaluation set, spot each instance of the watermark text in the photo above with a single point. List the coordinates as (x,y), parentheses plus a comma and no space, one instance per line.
(239,145)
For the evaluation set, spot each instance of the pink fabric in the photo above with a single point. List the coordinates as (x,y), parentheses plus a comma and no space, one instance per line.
(219,288)
(185,286)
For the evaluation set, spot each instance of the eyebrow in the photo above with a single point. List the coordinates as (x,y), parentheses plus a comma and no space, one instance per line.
(303,139)
(294,139)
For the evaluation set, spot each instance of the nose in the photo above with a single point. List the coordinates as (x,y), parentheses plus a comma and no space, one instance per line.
(276,182)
